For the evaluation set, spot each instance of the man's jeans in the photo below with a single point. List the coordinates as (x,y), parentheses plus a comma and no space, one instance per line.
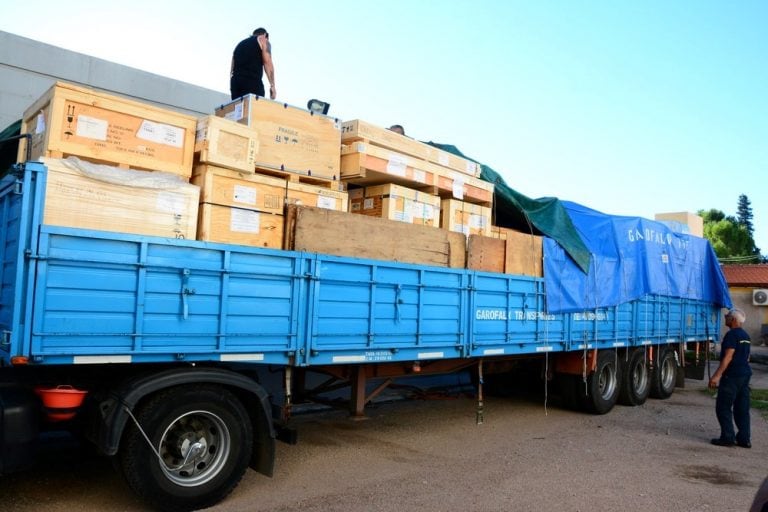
(733,405)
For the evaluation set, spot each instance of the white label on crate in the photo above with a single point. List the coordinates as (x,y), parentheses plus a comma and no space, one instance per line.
(458,187)
(236,114)
(244,221)
(329,203)
(471,168)
(161,133)
(477,221)
(397,164)
(462,228)
(171,202)
(410,210)
(429,211)
(442,159)
(368,203)
(40,123)
(419,176)
(92,128)
(201,134)
(245,195)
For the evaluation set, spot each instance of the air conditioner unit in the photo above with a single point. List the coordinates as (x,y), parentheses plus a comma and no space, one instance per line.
(760,297)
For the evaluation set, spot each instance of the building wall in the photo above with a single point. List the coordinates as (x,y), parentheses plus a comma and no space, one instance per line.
(28,68)
(756,315)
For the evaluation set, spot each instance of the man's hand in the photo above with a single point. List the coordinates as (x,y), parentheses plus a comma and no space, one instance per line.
(714,381)
(272,92)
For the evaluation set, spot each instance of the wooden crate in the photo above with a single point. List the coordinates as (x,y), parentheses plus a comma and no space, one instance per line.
(290,138)
(345,234)
(226,187)
(240,226)
(367,164)
(454,185)
(486,253)
(395,202)
(95,126)
(357,130)
(304,194)
(515,253)
(157,204)
(463,217)
(226,143)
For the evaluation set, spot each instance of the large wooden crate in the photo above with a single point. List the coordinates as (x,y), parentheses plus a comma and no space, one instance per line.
(89,196)
(306,194)
(395,202)
(453,185)
(103,128)
(357,130)
(463,217)
(226,143)
(514,253)
(240,226)
(226,187)
(290,138)
(345,234)
(368,164)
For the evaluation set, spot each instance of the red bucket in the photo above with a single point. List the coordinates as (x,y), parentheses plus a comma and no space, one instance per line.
(61,402)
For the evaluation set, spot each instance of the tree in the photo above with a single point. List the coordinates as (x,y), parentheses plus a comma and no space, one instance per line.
(744,214)
(730,238)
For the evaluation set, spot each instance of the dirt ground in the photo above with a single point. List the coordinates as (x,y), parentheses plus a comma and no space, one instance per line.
(430,456)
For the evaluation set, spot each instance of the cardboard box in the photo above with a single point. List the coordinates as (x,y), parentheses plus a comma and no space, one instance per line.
(463,217)
(103,128)
(240,226)
(290,138)
(395,202)
(226,187)
(358,130)
(84,195)
(225,143)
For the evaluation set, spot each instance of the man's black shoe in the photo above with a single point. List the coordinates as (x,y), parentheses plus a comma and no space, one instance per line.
(745,445)
(722,442)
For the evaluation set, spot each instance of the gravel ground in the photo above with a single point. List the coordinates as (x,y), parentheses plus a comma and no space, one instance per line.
(430,455)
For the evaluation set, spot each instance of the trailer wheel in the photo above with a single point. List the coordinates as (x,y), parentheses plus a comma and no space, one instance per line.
(204,439)
(603,384)
(635,381)
(664,374)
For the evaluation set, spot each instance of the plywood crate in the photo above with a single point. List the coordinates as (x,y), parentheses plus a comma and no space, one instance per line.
(103,128)
(346,234)
(226,143)
(89,196)
(453,185)
(486,253)
(290,138)
(395,202)
(518,253)
(240,226)
(226,187)
(305,194)
(683,222)
(367,164)
(463,217)
(358,130)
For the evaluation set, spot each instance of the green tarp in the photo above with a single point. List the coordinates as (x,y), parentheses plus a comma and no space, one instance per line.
(544,216)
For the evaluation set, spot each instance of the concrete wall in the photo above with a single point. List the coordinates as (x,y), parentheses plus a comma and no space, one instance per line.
(28,68)
(756,315)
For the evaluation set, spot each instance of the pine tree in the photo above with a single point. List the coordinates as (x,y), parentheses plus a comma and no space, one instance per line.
(744,214)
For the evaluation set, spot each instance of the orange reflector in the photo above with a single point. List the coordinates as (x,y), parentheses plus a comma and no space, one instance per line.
(19,360)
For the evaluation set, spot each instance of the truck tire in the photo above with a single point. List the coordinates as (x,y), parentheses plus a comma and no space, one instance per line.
(664,374)
(635,380)
(208,426)
(603,384)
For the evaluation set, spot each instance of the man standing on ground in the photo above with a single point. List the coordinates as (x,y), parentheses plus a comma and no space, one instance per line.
(732,382)
(252,58)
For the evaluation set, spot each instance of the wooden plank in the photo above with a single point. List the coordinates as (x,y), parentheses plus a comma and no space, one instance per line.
(240,226)
(98,127)
(346,234)
(121,200)
(486,253)
(523,254)
(227,187)
(358,130)
(290,138)
(225,143)
(302,177)
(463,217)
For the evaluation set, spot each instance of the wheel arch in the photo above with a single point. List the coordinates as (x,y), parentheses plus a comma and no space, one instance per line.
(132,391)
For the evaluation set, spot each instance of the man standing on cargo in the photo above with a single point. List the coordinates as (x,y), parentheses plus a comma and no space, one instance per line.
(251,58)
(732,382)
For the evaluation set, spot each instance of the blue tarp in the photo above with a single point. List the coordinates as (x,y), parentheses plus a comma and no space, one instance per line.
(631,257)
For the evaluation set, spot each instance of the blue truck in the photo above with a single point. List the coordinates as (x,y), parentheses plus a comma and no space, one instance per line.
(189,356)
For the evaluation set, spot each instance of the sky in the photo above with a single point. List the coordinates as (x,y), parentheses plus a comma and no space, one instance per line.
(631,107)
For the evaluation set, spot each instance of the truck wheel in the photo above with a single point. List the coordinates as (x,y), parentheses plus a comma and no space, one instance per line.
(635,382)
(204,439)
(603,384)
(663,375)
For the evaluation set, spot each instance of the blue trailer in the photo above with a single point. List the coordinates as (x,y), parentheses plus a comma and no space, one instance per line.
(168,337)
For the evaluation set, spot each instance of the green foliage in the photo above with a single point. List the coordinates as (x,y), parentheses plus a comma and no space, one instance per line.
(731,237)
